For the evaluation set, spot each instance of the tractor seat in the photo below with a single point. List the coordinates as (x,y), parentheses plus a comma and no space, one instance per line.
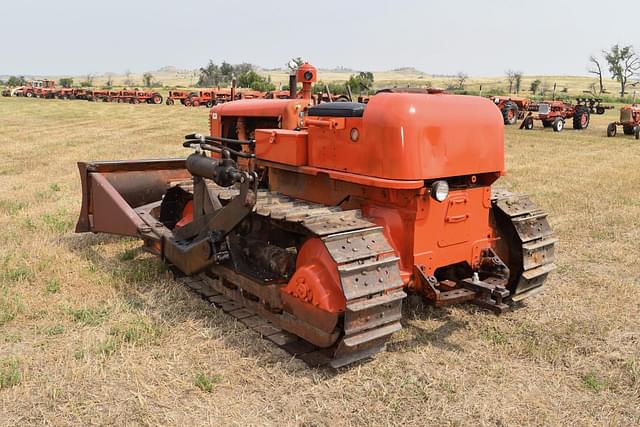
(337,109)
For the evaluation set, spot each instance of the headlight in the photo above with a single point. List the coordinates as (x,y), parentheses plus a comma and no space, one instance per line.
(440,190)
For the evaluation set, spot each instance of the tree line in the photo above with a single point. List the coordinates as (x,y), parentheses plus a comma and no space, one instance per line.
(214,75)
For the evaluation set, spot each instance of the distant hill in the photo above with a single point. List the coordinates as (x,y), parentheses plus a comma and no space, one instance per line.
(408,70)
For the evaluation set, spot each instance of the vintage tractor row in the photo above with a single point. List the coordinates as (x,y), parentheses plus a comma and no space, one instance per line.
(33,89)
(518,108)
(130,96)
(311,223)
(211,97)
(629,120)
(553,114)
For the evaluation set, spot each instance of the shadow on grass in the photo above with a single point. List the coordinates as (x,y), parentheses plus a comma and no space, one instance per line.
(136,274)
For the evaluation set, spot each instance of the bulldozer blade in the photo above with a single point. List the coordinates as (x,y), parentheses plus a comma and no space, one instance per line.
(112,190)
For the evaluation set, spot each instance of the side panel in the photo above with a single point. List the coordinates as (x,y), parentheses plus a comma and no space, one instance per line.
(415,136)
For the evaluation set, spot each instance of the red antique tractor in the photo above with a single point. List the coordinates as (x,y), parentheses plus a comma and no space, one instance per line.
(553,114)
(513,108)
(136,96)
(310,223)
(37,89)
(178,95)
(629,120)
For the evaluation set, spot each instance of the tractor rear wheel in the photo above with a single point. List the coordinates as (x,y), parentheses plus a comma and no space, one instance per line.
(628,129)
(581,118)
(196,103)
(558,124)
(527,123)
(157,99)
(612,129)
(510,113)
(187,102)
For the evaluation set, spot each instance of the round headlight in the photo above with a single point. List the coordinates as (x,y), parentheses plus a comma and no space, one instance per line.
(308,75)
(440,190)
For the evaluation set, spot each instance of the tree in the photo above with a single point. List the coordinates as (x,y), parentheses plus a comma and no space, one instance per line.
(88,81)
(624,63)
(255,81)
(109,83)
(209,76)
(518,80)
(245,67)
(226,71)
(360,82)
(534,86)
(596,68)
(147,78)
(16,81)
(128,81)
(511,79)
(66,82)
(461,79)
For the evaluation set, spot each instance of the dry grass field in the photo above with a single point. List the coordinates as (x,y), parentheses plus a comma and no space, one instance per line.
(94,331)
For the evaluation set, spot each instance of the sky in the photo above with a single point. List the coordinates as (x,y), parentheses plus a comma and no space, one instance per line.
(480,38)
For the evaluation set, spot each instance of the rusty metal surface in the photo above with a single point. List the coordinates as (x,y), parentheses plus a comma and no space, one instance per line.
(358,244)
(359,280)
(111,190)
(371,282)
(373,312)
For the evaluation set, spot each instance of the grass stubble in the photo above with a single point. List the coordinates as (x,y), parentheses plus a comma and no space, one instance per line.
(94,331)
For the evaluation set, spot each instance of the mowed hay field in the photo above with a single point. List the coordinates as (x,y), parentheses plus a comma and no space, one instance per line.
(94,331)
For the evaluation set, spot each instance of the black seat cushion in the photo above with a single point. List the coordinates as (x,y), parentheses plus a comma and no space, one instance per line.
(337,109)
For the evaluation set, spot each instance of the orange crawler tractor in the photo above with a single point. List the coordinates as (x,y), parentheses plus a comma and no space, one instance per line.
(312,223)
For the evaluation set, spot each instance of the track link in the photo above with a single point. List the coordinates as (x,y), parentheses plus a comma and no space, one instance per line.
(367,267)
(534,257)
